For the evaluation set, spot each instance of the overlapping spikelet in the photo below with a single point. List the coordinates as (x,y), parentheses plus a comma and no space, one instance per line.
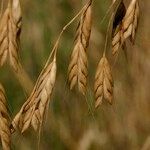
(103,86)
(117,39)
(125,24)
(5,134)
(4,37)
(77,69)
(33,111)
(130,21)
(14,27)
(117,32)
(10,29)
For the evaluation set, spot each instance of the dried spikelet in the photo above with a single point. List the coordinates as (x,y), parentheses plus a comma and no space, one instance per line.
(4,37)
(14,25)
(33,110)
(78,65)
(117,39)
(4,121)
(10,29)
(130,21)
(117,33)
(103,86)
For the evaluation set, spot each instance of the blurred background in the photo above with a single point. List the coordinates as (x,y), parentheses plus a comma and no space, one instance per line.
(72,123)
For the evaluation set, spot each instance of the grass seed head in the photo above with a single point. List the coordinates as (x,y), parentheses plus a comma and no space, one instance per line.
(5,134)
(33,111)
(103,86)
(78,64)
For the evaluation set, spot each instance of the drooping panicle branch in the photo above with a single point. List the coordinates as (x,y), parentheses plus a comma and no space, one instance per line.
(33,111)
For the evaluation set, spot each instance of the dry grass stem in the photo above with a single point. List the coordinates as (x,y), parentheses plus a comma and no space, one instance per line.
(103,86)
(130,21)
(33,110)
(78,65)
(5,134)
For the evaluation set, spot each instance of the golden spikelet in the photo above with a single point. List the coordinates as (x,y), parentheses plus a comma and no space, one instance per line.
(33,110)
(117,39)
(78,64)
(125,24)
(4,37)
(130,21)
(14,27)
(10,29)
(103,86)
(117,33)
(4,121)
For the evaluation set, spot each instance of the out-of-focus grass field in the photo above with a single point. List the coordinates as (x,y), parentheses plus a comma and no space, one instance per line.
(69,124)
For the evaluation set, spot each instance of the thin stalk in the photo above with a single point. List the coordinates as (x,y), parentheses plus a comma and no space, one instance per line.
(107,35)
(23,79)
(90,109)
(109,9)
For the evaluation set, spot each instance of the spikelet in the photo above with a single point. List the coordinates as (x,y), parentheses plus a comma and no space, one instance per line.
(10,29)
(33,111)
(117,39)
(4,121)
(117,34)
(130,21)
(14,27)
(103,86)
(4,37)
(77,69)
